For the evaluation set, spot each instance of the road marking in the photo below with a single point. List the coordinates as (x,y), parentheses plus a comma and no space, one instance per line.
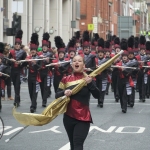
(12,131)
(140,111)
(140,129)
(112,128)
(51,129)
(7,127)
(65,147)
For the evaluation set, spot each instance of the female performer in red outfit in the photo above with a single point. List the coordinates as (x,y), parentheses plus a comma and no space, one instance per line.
(77,118)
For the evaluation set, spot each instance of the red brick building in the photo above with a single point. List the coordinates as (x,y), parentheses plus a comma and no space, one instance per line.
(106,12)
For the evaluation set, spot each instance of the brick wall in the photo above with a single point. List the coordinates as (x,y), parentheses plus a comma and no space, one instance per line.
(90,8)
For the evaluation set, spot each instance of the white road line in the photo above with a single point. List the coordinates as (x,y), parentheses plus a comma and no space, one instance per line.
(66,147)
(7,127)
(140,111)
(51,129)
(12,131)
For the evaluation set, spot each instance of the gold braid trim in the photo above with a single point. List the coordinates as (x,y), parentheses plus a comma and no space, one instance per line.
(61,86)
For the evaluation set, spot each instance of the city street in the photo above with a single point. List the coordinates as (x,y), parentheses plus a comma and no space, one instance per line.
(112,129)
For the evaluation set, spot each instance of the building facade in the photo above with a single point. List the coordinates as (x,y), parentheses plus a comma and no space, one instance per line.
(53,16)
(105,13)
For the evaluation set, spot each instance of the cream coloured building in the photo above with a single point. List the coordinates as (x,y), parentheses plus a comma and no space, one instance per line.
(53,16)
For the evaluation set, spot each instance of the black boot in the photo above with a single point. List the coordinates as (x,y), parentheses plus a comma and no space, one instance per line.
(117,99)
(123,110)
(16,104)
(32,110)
(131,105)
(44,104)
(101,105)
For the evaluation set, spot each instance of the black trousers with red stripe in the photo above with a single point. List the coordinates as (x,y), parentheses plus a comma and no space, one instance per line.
(115,77)
(77,132)
(32,91)
(43,86)
(15,75)
(123,93)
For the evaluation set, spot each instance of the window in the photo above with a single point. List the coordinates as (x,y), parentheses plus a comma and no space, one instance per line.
(77,9)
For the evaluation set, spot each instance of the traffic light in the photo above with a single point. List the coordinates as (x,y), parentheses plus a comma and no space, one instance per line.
(16,23)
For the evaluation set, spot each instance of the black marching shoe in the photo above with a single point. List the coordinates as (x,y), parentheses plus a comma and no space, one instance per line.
(147,95)
(123,110)
(16,104)
(101,105)
(128,105)
(98,105)
(117,99)
(32,110)
(131,105)
(106,93)
(44,105)
(143,100)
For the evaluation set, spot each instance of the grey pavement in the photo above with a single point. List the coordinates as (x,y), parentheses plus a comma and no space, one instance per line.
(111,130)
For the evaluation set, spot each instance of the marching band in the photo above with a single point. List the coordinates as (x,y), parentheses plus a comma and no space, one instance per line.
(129,73)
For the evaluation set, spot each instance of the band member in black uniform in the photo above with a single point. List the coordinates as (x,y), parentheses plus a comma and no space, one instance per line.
(3,69)
(44,71)
(142,76)
(88,57)
(60,70)
(33,76)
(115,73)
(15,55)
(134,62)
(101,79)
(124,83)
(77,118)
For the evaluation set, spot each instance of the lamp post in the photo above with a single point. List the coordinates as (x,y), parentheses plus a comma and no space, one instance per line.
(37,29)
